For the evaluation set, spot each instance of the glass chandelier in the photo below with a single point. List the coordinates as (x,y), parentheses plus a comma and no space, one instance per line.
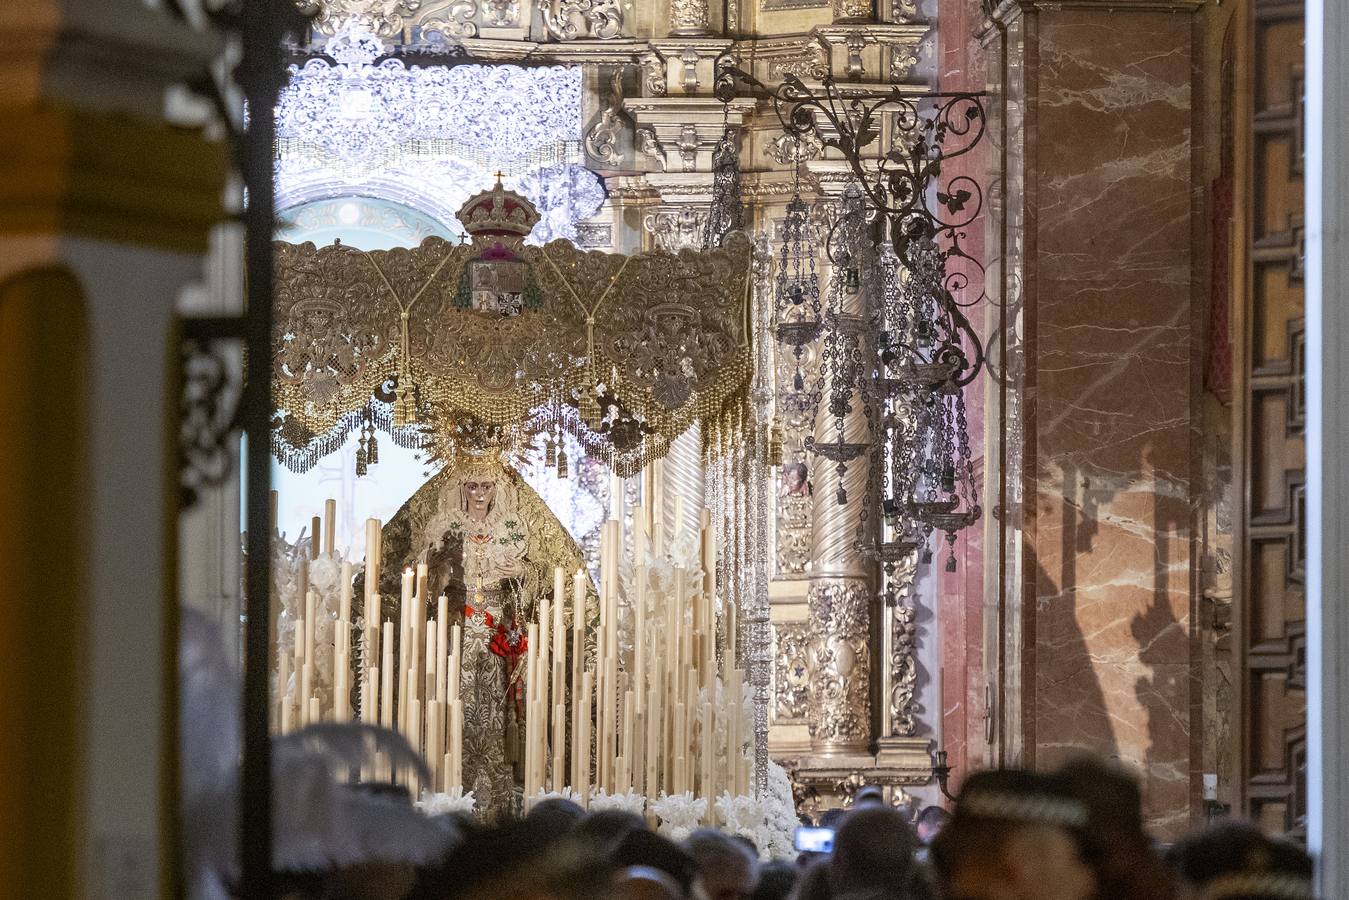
(796,298)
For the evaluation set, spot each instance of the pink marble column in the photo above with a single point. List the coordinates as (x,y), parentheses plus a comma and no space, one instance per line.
(959,597)
(1106,194)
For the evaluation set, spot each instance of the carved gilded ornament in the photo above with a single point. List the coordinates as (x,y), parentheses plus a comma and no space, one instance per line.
(903,671)
(852,10)
(689,17)
(653,73)
(787,150)
(571,20)
(385,18)
(678,229)
(564,20)
(840,697)
(774,5)
(792,673)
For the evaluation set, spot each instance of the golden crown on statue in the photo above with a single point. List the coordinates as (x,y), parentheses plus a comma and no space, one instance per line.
(498,216)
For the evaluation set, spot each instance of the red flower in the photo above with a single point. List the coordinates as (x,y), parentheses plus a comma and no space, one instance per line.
(509,641)
(487,617)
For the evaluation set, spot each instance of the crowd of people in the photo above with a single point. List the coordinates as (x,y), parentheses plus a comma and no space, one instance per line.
(1075,834)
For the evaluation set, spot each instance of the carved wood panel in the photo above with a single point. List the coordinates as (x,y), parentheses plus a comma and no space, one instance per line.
(1271,594)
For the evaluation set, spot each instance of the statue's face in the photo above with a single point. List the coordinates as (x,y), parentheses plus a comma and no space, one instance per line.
(479,494)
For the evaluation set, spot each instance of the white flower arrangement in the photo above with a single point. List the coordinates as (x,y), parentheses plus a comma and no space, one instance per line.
(456,801)
(566,793)
(679,814)
(629,801)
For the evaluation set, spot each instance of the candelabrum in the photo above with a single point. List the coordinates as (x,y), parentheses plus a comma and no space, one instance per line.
(896,343)
(942,772)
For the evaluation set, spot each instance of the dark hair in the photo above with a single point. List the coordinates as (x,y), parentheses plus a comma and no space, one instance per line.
(1236,847)
(974,832)
(645,848)
(1112,797)
(831,818)
(605,829)
(776,880)
(814,883)
(874,851)
(933,815)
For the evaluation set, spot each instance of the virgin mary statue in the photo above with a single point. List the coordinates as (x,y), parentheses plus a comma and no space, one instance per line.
(490,544)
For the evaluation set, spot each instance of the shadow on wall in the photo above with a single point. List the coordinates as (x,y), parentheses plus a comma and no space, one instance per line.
(43,392)
(1111,656)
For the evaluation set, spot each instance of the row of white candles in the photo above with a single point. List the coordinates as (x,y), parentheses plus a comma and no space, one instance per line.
(650,715)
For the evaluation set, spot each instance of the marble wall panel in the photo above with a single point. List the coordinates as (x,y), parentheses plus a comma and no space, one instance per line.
(1108,227)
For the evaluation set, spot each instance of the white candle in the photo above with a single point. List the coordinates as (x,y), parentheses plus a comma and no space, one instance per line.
(415,725)
(370,696)
(625,748)
(456,773)
(653,748)
(583,754)
(329,526)
(559,654)
(283,690)
(691,709)
(559,745)
(680,747)
(386,686)
(431,660)
(531,697)
(706,752)
(433,743)
(340,700)
(404,646)
(372,542)
(310,620)
(344,600)
(442,646)
(306,693)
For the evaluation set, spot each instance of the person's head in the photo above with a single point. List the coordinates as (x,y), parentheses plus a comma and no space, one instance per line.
(645,883)
(832,818)
(795,474)
(873,852)
(1235,860)
(555,814)
(776,880)
(869,795)
(605,829)
(1015,834)
(929,823)
(727,868)
(814,881)
(646,848)
(1121,850)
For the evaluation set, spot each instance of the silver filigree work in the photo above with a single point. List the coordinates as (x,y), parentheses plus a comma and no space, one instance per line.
(574,20)
(839,702)
(677,229)
(792,673)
